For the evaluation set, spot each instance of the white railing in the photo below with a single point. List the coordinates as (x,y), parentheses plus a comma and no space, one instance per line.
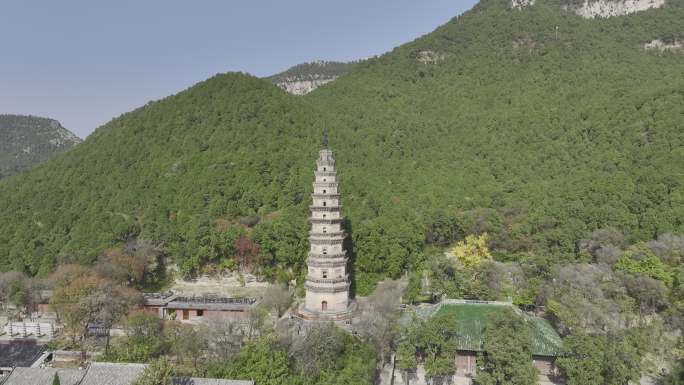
(25,329)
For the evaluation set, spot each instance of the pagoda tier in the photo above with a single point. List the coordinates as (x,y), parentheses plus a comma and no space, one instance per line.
(329,235)
(332,262)
(325,208)
(320,242)
(326,196)
(326,221)
(319,255)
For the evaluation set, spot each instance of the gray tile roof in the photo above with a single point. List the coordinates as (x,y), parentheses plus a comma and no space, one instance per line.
(207,381)
(100,373)
(19,353)
(211,303)
(105,373)
(43,376)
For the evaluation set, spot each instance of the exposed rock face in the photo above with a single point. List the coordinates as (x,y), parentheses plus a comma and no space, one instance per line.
(63,137)
(520,4)
(608,8)
(662,46)
(298,86)
(429,57)
(304,78)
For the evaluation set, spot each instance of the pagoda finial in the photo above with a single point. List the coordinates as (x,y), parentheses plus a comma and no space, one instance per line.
(325,137)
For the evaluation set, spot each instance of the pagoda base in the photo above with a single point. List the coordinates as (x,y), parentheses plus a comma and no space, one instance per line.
(338,317)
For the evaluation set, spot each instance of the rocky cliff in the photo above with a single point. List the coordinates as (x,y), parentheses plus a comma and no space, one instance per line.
(26,141)
(607,8)
(304,78)
(665,45)
(590,9)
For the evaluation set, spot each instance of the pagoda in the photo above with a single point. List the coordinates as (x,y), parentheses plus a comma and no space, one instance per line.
(327,281)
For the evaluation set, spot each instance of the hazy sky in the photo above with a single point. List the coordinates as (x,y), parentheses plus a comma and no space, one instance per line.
(85,62)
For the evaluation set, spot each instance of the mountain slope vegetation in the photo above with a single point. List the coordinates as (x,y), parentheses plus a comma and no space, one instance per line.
(534,137)
(534,126)
(26,141)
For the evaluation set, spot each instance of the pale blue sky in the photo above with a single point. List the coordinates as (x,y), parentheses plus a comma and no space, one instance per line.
(84,62)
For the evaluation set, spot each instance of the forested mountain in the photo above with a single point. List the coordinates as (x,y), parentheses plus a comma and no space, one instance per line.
(535,126)
(26,141)
(304,78)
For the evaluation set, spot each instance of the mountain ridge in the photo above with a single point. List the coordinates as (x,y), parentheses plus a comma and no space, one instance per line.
(30,140)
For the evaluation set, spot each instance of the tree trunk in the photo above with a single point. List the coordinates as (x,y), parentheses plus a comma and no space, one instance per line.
(84,354)
(107,342)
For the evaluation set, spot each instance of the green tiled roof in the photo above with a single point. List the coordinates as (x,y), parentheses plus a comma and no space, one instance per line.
(547,342)
(473,317)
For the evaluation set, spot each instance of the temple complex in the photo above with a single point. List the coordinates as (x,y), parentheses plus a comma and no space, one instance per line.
(327,281)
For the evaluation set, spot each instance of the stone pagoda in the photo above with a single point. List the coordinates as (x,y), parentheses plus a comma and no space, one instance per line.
(327,281)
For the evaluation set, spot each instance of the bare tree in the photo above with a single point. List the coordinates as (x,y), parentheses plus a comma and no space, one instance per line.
(669,248)
(379,316)
(604,245)
(586,296)
(278,298)
(256,322)
(650,294)
(224,337)
(316,349)
(112,302)
(121,267)
(187,341)
(91,300)
(504,278)
(65,274)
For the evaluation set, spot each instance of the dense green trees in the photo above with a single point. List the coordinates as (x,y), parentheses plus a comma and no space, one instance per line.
(508,352)
(498,134)
(324,356)
(262,361)
(603,360)
(434,339)
(640,260)
(582,363)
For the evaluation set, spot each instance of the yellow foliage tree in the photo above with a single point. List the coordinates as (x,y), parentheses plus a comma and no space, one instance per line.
(473,250)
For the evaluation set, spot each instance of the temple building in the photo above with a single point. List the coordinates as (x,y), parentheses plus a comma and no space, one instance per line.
(194,309)
(327,281)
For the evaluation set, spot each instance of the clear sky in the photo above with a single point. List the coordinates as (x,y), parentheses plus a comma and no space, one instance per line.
(84,62)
